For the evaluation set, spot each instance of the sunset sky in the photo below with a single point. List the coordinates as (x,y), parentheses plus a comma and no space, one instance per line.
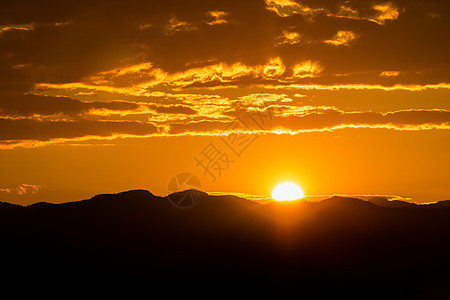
(341,97)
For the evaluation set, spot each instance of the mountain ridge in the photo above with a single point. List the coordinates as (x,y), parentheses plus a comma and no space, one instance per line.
(223,238)
(378,201)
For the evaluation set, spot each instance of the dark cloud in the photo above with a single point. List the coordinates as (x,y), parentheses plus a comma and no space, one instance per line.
(331,118)
(44,130)
(29,105)
(205,126)
(71,41)
(134,48)
(172,109)
(295,119)
(320,119)
(14,79)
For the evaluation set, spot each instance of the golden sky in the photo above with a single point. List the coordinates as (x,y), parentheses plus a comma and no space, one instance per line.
(342,97)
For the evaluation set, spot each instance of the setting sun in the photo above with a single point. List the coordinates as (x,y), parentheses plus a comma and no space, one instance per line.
(287,191)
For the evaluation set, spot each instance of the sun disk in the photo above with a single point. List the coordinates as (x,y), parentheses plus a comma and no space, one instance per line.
(287,191)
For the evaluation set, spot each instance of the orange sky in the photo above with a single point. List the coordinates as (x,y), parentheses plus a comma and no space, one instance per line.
(342,97)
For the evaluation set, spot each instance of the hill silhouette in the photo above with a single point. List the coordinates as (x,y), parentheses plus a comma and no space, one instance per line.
(339,245)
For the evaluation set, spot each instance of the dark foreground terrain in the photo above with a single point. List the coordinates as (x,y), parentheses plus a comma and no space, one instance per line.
(226,244)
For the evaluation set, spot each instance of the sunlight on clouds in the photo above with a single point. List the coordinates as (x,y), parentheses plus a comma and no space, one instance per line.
(9,27)
(5,190)
(28,188)
(389,74)
(145,79)
(104,112)
(282,130)
(383,12)
(85,87)
(144,108)
(342,38)
(28,143)
(262,98)
(174,25)
(386,11)
(22,189)
(305,110)
(145,26)
(286,8)
(217,16)
(306,69)
(129,75)
(284,119)
(274,68)
(338,87)
(141,77)
(289,37)
(130,69)
(347,11)
(211,106)
(279,130)
(220,72)
(143,89)
(283,8)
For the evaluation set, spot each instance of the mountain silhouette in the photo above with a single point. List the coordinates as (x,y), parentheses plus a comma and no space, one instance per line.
(339,245)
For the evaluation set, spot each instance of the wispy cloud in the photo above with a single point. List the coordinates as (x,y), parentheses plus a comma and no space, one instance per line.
(288,37)
(217,16)
(389,74)
(387,11)
(22,189)
(377,13)
(342,38)
(306,69)
(285,118)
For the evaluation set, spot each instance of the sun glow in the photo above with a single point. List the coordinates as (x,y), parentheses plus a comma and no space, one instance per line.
(287,191)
